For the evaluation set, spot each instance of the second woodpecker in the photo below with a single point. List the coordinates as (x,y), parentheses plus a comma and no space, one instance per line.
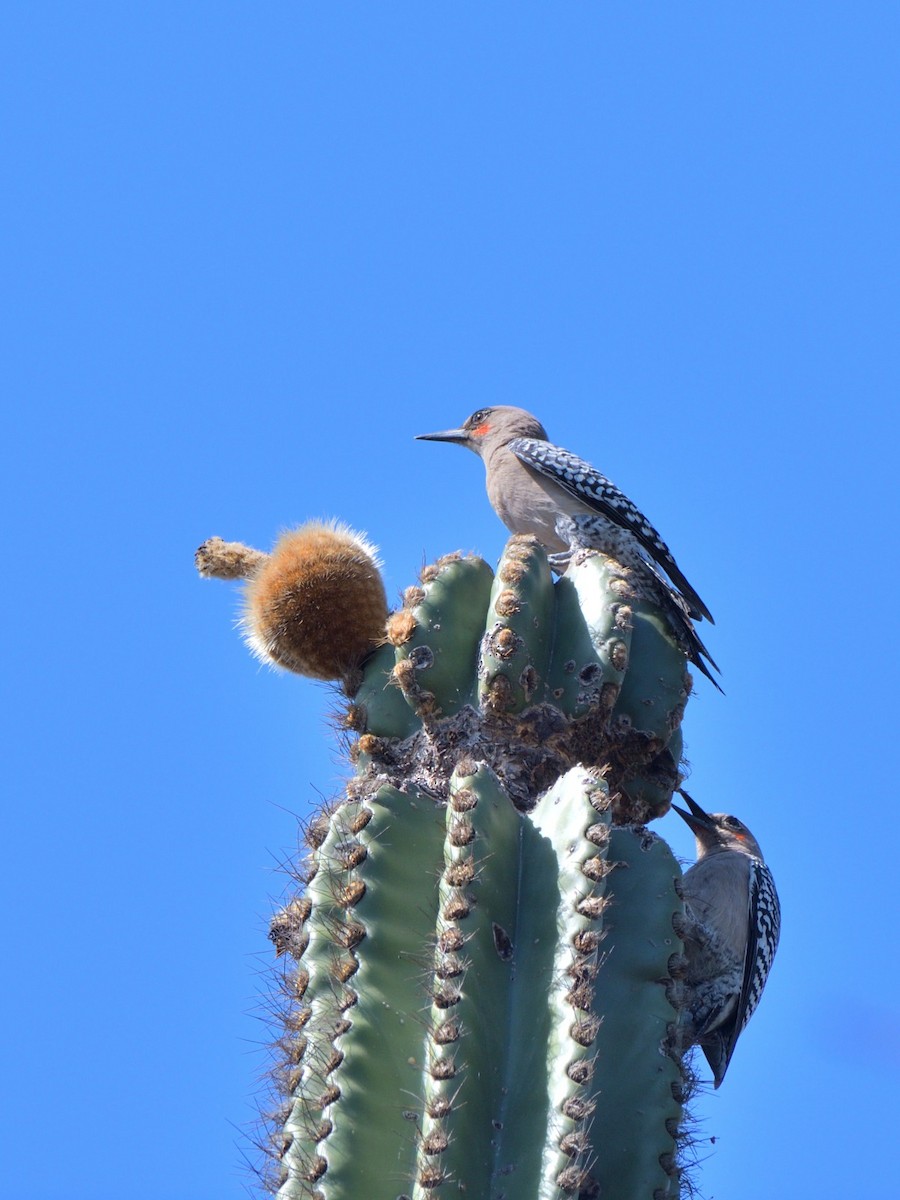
(541,489)
(732,924)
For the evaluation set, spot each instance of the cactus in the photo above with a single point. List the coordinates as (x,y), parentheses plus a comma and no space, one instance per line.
(483,973)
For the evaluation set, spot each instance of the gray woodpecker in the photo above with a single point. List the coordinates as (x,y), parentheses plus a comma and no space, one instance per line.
(732,923)
(538,488)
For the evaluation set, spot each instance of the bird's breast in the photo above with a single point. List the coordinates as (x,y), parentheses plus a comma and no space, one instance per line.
(524,502)
(717,889)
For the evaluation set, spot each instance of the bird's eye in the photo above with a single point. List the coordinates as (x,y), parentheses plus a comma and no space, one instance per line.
(478,417)
(732,823)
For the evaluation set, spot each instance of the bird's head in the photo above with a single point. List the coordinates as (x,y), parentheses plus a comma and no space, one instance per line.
(717,831)
(490,427)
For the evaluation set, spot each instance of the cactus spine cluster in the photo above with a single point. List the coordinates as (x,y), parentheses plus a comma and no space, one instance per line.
(483,969)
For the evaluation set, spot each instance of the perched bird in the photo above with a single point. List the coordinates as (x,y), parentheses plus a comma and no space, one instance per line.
(732,923)
(538,488)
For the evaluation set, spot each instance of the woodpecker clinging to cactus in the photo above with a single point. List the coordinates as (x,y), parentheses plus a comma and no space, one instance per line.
(538,488)
(732,922)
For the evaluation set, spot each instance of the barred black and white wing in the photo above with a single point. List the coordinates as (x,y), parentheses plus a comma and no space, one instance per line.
(763,931)
(596,492)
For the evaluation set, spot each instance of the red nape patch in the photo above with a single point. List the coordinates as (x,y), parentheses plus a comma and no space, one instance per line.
(481,430)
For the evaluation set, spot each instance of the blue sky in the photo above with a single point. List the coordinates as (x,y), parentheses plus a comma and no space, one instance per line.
(249,251)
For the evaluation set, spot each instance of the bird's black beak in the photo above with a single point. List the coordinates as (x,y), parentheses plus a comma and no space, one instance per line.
(697,818)
(446,435)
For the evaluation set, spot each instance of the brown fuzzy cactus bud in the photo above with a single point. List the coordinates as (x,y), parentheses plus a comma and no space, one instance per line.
(316,605)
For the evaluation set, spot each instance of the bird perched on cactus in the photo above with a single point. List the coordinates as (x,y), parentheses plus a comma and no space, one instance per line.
(732,925)
(539,488)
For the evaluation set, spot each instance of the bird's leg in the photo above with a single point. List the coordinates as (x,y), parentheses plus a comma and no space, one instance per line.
(566,531)
(560,562)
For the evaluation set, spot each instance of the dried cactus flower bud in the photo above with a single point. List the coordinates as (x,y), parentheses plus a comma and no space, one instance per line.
(316,605)
(217,559)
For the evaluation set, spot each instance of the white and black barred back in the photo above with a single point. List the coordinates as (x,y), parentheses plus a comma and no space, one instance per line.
(618,528)
(620,516)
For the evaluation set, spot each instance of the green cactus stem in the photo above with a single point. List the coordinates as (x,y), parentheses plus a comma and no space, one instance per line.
(437,635)
(638,1021)
(496,1088)
(591,649)
(484,974)
(529,676)
(360,975)
(502,1099)
(515,648)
